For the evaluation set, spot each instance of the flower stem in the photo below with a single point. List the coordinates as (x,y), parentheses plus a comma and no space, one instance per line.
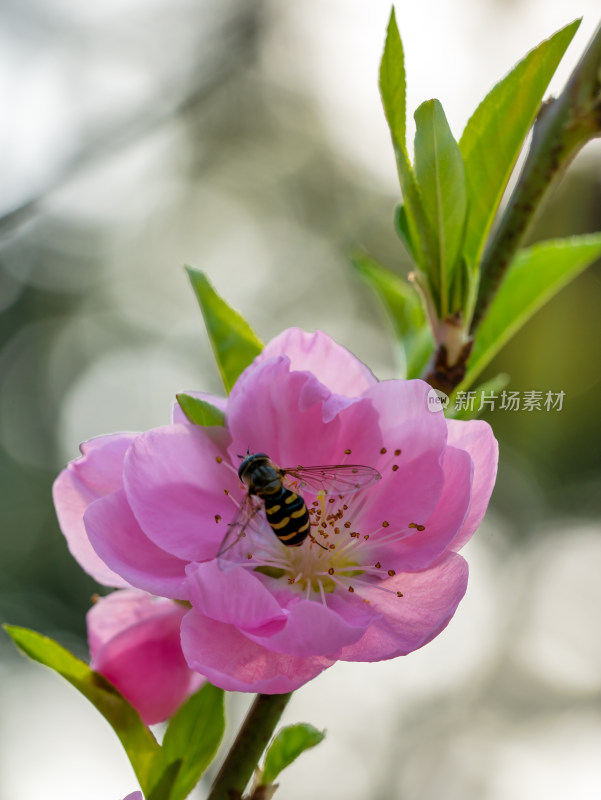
(562,127)
(254,735)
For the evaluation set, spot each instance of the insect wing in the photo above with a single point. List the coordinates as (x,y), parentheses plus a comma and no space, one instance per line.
(237,539)
(335,479)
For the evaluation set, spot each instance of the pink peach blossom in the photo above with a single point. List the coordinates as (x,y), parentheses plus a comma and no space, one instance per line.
(387,577)
(134,641)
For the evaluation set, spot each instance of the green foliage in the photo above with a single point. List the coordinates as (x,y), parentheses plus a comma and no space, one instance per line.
(287,746)
(234,342)
(139,743)
(405,311)
(494,135)
(441,181)
(163,788)
(199,411)
(453,191)
(401,226)
(169,772)
(393,86)
(533,278)
(393,91)
(190,742)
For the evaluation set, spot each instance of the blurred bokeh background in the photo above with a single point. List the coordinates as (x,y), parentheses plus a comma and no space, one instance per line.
(245,137)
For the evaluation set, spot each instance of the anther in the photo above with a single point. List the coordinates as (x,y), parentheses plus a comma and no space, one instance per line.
(218,459)
(399,594)
(397,452)
(217,517)
(383,451)
(347,524)
(378,565)
(395,467)
(391,572)
(331,571)
(332,500)
(226,491)
(347,452)
(385,524)
(351,590)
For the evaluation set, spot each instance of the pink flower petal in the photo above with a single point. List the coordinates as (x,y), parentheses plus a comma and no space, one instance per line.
(333,365)
(176,481)
(405,420)
(134,796)
(421,549)
(235,663)
(116,612)
(279,412)
(95,474)
(236,597)
(179,418)
(412,481)
(407,623)
(135,643)
(120,542)
(476,437)
(312,629)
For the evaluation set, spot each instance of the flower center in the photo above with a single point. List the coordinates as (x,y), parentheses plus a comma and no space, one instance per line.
(335,555)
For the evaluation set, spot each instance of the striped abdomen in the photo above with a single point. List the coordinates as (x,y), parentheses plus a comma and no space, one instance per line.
(288,516)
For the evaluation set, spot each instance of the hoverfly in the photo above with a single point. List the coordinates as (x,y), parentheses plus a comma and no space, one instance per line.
(285,509)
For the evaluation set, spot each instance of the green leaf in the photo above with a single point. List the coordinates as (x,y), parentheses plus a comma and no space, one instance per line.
(139,743)
(287,746)
(401,226)
(164,788)
(190,742)
(441,181)
(393,92)
(199,412)
(234,342)
(494,135)
(405,311)
(535,275)
(392,85)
